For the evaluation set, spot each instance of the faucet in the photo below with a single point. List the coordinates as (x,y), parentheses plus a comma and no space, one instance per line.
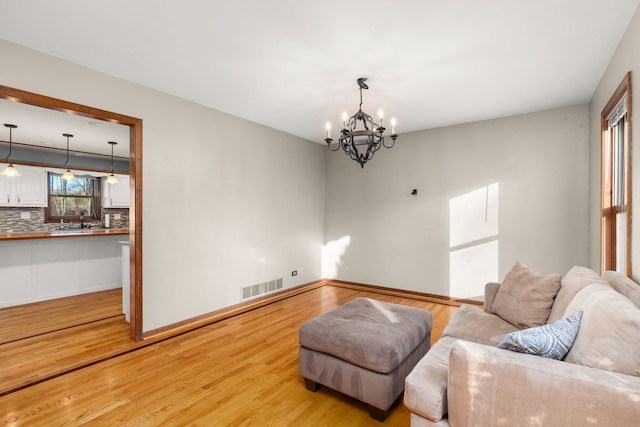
(82,224)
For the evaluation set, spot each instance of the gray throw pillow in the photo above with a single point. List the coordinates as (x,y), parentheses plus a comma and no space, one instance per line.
(525,297)
(551,341)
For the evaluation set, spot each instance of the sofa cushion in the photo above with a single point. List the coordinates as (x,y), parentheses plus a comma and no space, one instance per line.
(425,390)
(550,341)
(525,297)
(490,291)
(573,282)
(609,336)
(471,323)
(623,285)
(489,387)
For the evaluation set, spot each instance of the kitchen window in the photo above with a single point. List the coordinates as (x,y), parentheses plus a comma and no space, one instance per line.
(70,199)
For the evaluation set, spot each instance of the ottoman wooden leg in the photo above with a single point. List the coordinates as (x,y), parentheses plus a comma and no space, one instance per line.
(312,385)
(377,413)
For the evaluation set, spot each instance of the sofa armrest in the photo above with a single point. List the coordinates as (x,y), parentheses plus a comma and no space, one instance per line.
(490,291)
(493,387)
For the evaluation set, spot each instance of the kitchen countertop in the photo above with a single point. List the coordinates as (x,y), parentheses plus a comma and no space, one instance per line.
(57,234)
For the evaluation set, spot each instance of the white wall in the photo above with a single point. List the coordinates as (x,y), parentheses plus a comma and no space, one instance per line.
(626,58)
(540,163)
(249,209)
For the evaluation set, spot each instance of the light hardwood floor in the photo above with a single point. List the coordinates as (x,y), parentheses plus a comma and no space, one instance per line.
(24,321)
(241,371)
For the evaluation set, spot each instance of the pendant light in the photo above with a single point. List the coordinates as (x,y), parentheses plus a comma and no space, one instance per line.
(10,170)
(112,178)
(68,176)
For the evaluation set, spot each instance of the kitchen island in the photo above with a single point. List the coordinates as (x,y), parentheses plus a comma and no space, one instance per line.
(38,266)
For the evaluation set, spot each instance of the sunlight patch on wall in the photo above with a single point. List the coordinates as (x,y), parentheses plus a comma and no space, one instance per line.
(471,268)
(473,241)
(332,254)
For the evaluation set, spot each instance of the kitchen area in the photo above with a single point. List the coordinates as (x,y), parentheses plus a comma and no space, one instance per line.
(59,237)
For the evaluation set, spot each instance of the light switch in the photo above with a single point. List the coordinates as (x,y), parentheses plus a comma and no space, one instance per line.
(25,215)
(116,216)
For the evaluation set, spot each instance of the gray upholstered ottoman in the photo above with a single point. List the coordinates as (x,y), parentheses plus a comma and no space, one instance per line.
(364,349)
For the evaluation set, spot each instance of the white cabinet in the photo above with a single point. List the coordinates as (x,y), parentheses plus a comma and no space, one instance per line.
(43,269)
(31,187)
(28,189)
(116,195)
(7,189)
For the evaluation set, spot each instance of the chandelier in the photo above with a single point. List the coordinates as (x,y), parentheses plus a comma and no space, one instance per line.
(361,143)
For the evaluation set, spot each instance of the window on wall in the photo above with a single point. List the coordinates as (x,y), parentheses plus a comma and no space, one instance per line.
(70,199)
(616,180)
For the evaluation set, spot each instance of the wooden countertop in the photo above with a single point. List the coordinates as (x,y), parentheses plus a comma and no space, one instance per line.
(57,234)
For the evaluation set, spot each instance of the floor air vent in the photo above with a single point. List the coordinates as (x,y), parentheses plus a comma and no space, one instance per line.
(261,288)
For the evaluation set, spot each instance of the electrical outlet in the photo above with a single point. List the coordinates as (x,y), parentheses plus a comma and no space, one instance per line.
(25,215)
(116,216)
(294,273)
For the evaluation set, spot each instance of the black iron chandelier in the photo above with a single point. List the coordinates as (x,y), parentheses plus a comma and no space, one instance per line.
(361,144)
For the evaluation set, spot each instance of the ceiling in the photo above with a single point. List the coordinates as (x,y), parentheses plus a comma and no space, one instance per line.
(43,128)
(293,64)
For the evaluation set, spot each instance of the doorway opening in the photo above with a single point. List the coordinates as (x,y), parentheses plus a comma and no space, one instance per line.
(135,171)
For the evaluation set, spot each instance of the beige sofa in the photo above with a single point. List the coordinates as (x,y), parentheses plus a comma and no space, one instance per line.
(466,380)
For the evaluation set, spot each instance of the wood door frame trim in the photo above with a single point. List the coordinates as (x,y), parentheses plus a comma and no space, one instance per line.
(135,172)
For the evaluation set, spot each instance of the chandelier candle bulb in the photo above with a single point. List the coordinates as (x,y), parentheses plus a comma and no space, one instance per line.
(380,114)
(393,126)
(328,130)
(344,120)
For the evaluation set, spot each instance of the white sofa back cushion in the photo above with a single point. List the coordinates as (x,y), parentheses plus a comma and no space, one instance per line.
(624,285)
(609,335)
(573,282)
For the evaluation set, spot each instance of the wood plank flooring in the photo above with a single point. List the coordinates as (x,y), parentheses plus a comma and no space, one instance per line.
(241,371)
(27,320)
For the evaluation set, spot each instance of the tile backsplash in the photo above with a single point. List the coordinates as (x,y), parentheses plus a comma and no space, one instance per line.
(11,219)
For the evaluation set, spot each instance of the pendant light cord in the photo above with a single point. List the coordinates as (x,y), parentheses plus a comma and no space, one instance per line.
(67,135)
(10,137)
(11,127)
(112,143)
